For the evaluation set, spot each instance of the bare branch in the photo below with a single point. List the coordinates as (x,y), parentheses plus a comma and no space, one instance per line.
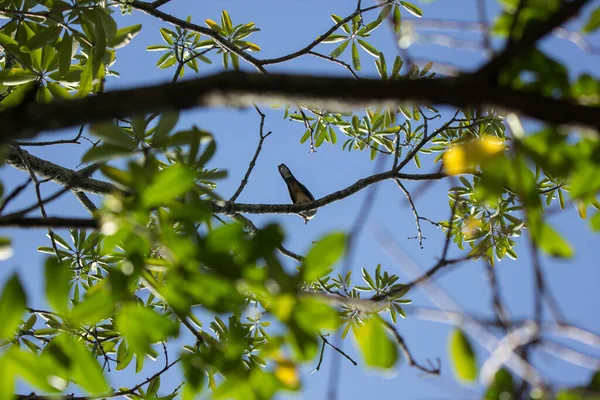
(408,355)
(15,192)
(414,210)
(253,161)
(335,61)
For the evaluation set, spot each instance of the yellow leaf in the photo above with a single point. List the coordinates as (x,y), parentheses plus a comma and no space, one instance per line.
(253,47)
(212,24)
(581,208)
(464,157)
(287,373)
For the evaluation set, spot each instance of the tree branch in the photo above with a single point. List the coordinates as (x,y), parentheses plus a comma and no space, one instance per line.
(222,207)
(240,89)
(58,174)
(408,355)
(50,222)
(515,48)
(256,154)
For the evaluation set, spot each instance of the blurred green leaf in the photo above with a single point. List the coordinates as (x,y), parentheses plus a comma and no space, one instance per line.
(462,356)
(57,283)
(124,35)
(170,183)
(134,321)
(593,21)
(322,256)
(12,305)
(501,387)
(411,8)
(166,123)
(377,348)
(85,370)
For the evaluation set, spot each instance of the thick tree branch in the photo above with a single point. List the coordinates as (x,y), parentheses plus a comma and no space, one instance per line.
(66,177)
(50,222)
(61,175)
(240,89)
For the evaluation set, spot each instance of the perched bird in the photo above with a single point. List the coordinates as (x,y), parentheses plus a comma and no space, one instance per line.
(298,192)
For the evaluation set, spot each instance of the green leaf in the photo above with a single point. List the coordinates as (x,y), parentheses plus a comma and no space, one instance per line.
(12,305)
(85,370)
(235,61)
(124,36)
(113,134)
(107,22)
(322,256)
(37,370)
(16,76)
(355,56)
(339,50)
(593,21)
(124,356)
(313,316)
(385,11)
(368,48)
(142,327)
(462,357)
(17,95)
(153,386)
(87,79)
(378,349)
(502,386)
(411,8)
(166,123)
(168,36)
(595,222)
(97,306)
(29,323)
(226,21)
(170,183)
(13,48)
(7,379)
(552,243)
(334,38)
(106,152)
(44,37)
(57,283)
(58,92)
(157,47)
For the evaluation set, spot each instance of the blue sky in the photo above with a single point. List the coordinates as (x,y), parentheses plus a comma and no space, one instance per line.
(286,27)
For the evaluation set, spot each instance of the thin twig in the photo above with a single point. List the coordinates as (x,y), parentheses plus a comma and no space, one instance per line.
(497,303)
(256,154)
(339,351)
(14,194)
(431,370)
(75,140)
(335,61)
(414,210)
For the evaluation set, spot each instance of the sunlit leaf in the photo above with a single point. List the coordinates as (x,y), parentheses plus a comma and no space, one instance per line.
(462,356)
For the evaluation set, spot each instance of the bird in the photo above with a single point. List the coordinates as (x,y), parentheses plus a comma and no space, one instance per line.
(298,192)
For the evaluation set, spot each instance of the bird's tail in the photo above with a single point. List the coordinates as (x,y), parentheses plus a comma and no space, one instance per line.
(285,171)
